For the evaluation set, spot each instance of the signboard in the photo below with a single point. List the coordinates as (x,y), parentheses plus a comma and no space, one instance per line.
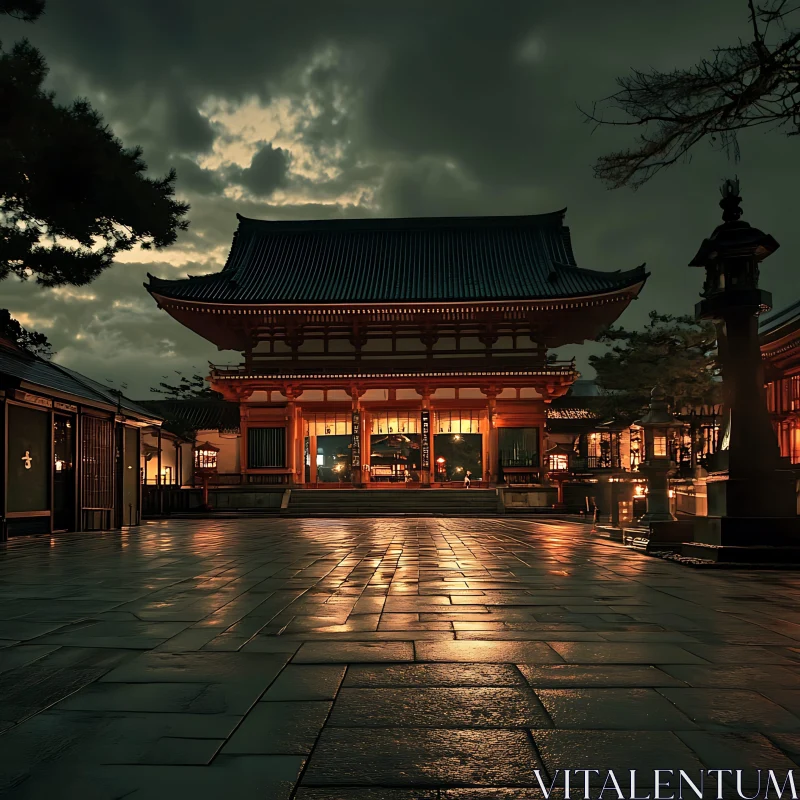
(33,399)
(425,444)
(355,452)
(65,407)
(30,435)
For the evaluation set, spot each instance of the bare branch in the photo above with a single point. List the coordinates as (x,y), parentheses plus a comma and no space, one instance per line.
(746,85)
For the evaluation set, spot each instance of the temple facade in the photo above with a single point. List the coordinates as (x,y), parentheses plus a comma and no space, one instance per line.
(384,351)
(779,336)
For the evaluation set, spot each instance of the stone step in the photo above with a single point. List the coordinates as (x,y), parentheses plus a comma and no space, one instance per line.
(735,554)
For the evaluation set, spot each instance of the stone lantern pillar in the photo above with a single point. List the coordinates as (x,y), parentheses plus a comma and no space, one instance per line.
(657,466)
(751,492)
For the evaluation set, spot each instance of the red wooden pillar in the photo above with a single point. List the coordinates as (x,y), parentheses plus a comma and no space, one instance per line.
(299,445)
(428,476)
(291,439)
(366,441)
(493,448)
(355,407)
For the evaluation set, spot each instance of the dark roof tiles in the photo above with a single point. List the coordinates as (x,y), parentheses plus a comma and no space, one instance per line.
(197,415)
(26,367)
(397,260)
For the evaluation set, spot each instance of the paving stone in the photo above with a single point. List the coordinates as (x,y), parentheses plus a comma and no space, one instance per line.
(272,644)
(720,709)
(193,620)
(266,777)
(402,675)
(488,652)
(625,653)
(788,698)
(616,751)
(529,636)
(279,728)
(13,657)
(622,675)
(32,688)
(350,793)
(306,682)
(737,655)
(158,667)
(758,678)
(748,752)
(193,698)
(438,707)
(421,758)
(612,709)
(338,652)
(789,743)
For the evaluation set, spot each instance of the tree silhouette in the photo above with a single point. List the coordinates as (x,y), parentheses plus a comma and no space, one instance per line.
(30,341)
(194,388)
(676,353)
(71,195)
(25,10)
(746,85)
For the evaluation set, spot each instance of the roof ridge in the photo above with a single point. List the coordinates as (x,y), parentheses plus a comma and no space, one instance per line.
(404,223)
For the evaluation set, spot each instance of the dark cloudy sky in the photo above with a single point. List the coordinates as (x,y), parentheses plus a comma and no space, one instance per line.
(320,108)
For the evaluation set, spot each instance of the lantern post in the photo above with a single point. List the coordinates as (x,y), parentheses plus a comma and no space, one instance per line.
(205,466)
(751,490)
(657,424)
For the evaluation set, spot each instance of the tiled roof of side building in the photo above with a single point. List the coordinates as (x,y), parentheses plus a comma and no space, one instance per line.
(30,369)
(399,260)
(198,415)
(770,323)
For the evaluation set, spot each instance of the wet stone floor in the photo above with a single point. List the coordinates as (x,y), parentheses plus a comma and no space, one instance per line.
(387,659)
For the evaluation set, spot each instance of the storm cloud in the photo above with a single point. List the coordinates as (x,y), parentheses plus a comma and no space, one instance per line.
(314,109)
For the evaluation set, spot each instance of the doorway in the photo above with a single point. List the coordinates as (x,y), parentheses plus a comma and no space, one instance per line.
(63,472)
(328,448)
(394,446)
(458,445)
(456,455)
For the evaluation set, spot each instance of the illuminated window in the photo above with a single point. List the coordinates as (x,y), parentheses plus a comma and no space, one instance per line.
(384,422)
(794,389)
(659,445)
(636,448)
(457,422)
(559,462)
(333,424)
(205,458)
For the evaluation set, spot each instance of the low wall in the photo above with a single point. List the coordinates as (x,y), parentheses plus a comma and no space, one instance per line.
(690,498)
(162,501)
(534,497)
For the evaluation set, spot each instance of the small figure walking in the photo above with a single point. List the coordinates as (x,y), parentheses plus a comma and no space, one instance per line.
(467,480)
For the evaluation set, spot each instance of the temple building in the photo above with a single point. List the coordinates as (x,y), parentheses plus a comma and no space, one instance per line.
(779,336)
(70,449)
(384,351)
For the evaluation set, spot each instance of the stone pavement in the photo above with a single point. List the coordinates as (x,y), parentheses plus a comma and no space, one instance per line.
(391,659)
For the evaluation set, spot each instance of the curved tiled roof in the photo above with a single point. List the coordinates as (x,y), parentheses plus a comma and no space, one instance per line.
(23,366)
(399,260)
(197,415)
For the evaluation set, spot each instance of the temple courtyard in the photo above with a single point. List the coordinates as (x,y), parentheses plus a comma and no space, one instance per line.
(382,659)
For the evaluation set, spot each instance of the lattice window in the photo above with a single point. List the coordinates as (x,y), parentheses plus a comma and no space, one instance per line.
(519,447)
(266,447)
(205,459)
(395,422)
(457,422)
(97,457)
(333,424)
(794,383)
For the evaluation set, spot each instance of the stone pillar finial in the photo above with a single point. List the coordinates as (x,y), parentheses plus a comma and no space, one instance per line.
(731,200)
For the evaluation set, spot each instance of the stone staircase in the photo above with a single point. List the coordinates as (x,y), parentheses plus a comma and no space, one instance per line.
(392,503)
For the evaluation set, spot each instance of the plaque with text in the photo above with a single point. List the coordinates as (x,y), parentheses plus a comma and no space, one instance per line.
(355,453)
(425,444)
